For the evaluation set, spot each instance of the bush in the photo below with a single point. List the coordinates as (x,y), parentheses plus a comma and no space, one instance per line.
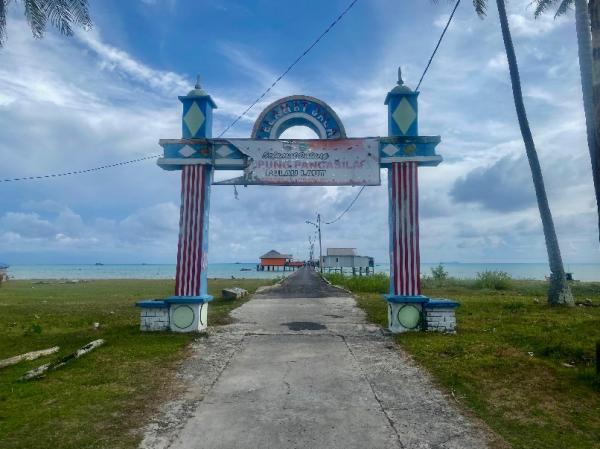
(439,273)
(493,280)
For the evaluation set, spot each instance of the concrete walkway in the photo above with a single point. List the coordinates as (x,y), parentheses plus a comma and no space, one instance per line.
(298,372)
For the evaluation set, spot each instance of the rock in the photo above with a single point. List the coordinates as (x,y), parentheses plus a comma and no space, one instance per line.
(96,325)
(588,302)
(234,293)
(536,301)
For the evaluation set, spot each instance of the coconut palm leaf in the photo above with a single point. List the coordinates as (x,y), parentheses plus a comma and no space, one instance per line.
(35,17)
(543,6)
(480,7)
(61,14)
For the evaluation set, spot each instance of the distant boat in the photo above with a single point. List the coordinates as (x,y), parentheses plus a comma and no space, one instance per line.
(98,263)
(245,269)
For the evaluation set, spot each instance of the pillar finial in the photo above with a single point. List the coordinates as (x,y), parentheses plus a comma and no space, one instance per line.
(198,85)
(400,80)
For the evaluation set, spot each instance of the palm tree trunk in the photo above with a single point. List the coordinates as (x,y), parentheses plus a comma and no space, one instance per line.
(559,291)
(584,45)
(594,14)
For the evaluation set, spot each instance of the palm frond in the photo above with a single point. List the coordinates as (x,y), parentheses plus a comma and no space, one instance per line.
(3,6)
(63,14)
(36,17)
(80,13)
(542,6)
(563,8)
(480,7)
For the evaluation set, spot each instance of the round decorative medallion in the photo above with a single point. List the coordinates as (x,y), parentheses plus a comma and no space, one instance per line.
(183,317)
(409,316)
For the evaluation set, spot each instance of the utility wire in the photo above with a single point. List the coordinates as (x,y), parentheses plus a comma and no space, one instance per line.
(279,78)
(438,43)
(79,172)
(290,67)
(418,85)
(348,208)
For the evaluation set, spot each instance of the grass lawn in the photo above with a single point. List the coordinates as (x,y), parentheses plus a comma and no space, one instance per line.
(524,368)
(99,400)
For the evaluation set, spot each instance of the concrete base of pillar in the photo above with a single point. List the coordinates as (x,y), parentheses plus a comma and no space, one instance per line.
(420,313)
(177,314)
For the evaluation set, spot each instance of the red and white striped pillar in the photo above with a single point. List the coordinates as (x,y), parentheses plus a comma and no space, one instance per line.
(188,308)
(403,186)
(192,250)
(405,302)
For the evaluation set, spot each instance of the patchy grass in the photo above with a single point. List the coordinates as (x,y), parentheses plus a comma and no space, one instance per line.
(525,368)
(99,400)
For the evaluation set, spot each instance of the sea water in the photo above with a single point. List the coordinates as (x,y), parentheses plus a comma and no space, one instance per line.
(581,271)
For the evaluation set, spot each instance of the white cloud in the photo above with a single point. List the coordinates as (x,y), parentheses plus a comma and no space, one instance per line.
(78,103)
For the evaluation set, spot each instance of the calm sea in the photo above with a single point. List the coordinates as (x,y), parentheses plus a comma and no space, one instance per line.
(583,272)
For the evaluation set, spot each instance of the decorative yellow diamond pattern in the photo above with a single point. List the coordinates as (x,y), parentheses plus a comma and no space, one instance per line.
(404,115)
(194,118)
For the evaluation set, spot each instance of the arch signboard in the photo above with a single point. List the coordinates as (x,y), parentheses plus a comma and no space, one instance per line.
(332,159)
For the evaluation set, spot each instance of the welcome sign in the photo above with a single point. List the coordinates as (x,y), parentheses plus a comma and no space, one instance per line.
(340,162)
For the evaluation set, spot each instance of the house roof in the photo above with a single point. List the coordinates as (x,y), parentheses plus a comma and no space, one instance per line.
(341,251)
(275,255)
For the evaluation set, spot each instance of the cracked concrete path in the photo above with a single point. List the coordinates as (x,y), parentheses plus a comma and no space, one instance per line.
(307,372)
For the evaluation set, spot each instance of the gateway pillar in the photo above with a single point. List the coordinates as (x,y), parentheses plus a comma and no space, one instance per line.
(408,309)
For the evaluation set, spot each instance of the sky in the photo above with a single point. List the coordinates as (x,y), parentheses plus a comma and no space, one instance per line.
(109,94)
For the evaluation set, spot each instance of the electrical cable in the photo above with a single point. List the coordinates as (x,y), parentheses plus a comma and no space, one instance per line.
(290,67)
(347,208)
(438,44)
(79,172)
(279,78)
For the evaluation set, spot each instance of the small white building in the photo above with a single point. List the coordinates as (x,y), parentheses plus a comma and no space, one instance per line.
(3,272)
(346,258)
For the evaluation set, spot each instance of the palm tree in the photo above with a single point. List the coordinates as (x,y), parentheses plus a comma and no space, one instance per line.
(594,12)
(62,14)
(584,45)
(559,292)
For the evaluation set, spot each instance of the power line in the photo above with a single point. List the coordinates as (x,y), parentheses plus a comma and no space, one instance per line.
(79,172)
(290,67)
(348,208)
(279,78)
(438,44)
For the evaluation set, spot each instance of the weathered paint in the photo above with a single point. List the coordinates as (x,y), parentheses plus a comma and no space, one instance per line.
(298,110)
(339,161)
(404,229)
(192,251)
(226,154)
(309,162)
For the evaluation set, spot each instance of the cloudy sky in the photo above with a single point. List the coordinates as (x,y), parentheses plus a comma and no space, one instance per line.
(109,94)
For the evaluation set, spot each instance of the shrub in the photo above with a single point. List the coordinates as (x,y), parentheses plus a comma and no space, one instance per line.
(439,273)
(493,280)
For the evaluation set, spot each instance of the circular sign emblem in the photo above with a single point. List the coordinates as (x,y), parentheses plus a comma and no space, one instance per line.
(298,110)
(409,316)
(183,317)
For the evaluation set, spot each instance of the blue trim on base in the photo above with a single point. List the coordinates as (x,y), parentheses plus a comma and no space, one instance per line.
(189,299)
(152,304)
(442,304)
(399,299)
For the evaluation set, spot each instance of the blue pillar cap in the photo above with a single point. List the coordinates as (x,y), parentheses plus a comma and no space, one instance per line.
(400,89)
(198,92)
